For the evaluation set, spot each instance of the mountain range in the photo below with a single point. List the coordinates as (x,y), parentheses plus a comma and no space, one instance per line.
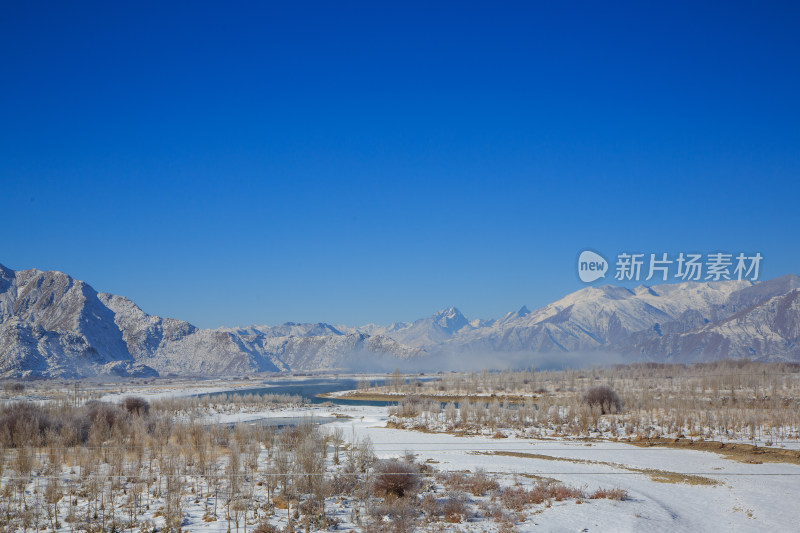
(52,325)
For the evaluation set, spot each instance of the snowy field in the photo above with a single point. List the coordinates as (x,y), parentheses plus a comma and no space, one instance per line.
(747,497)
(667,489)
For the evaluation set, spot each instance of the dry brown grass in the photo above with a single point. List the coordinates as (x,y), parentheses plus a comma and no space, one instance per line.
(280,502)
(661,476)
(478,484)
(609,494)
(517,498)
(743,453)
(444,398)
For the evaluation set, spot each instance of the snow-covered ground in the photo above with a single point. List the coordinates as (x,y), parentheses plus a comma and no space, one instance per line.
(744,497)
(208,386)
(176,390)
(747,497)
(743,488)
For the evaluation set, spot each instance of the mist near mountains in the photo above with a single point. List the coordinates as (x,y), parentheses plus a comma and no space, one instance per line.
(55,326)
(466,361)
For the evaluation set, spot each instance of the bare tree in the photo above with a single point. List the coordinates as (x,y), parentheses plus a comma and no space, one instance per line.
(53,495)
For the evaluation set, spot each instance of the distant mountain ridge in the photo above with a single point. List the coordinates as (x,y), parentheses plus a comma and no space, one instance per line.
(52,325)
(680,322)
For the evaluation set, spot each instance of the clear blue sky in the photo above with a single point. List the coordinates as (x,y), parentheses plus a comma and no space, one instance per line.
(232,163)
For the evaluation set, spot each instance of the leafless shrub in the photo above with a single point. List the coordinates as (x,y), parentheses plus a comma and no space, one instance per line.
(452,480)
(396,478)
(105,412)
(25,424)
(265,527)
(493,510)
(431,506)
(310,460)
(478,483)
(408,407)
(344,482)
(136,405)
(364,455)
(397,515)
(454,507)
(603,397)
(559,491)
(517,498)
(14,387)
(610,494)
(290,437)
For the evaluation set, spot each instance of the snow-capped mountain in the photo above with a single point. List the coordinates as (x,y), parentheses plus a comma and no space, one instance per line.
(767,330)
(509,317)
(689,321)
(432,331)
(52,325)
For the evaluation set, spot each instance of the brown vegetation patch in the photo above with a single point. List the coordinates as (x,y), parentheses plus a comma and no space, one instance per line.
(661,476)
(608,494)
(396,478)
(444,398)
(391,424)
(744,453)
(280,502)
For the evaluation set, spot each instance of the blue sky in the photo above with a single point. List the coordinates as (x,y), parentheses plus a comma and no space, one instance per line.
(261,162)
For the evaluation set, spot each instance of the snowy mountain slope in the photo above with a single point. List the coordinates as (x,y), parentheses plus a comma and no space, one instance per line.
(288,329)
(426,333)
(508,317)
(349,351)
(620,320)
(770,329)
(52,325)
(374,329)
(717,310)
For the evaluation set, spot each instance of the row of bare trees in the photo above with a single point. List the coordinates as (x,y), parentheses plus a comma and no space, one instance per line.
(728,400)
(141,470)
(133,465)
